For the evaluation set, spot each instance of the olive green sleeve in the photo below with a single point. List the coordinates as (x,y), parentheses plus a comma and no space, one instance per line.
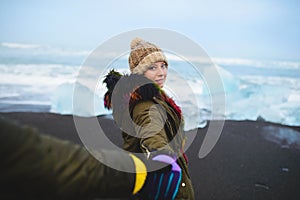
(150,119)
(37,166)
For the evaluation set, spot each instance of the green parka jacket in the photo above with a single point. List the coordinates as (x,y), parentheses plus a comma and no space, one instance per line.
(151,123)
(36,166)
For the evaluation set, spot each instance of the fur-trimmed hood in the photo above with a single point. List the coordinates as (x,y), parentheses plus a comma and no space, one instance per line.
(127,90)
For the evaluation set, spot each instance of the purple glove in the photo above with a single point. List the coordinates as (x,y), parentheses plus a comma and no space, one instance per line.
(163,183)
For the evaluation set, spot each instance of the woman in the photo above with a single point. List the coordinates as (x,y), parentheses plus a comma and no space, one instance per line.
(154,123)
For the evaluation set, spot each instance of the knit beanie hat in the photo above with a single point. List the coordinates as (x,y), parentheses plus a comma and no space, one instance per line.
(143,54)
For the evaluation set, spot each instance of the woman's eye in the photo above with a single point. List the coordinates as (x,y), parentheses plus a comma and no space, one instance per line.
(152,68)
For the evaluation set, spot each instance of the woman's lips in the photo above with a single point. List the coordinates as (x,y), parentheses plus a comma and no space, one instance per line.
(160,81)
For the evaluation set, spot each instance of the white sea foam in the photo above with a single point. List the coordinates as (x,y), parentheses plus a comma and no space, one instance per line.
(19,45)
(37,75)
(257,63)
(253,89)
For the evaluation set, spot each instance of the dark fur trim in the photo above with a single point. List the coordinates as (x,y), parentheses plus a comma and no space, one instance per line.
(128,90)
(110,80)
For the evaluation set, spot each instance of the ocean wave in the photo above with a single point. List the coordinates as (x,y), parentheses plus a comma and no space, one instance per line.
(233,62)
(19,45)
(270,64)
(8,95)
(32,50)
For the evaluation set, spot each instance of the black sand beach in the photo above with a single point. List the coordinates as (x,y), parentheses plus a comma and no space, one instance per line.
(242,165)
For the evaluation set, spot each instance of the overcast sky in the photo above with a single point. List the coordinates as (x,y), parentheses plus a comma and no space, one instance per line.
(254,29)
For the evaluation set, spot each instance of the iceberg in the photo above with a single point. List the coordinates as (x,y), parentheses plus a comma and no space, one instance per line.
(283,136)
(246,98)
(87,103)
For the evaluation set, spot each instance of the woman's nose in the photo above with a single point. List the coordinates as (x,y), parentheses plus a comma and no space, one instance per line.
(160,71)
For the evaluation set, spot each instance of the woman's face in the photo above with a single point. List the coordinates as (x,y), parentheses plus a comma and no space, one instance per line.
(157,72)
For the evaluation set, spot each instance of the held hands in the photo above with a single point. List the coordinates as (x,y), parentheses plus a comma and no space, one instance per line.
(164,182)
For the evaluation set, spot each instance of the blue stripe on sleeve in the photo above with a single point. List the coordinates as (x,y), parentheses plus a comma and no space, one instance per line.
(169,184)
(177,187)
(159,186)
